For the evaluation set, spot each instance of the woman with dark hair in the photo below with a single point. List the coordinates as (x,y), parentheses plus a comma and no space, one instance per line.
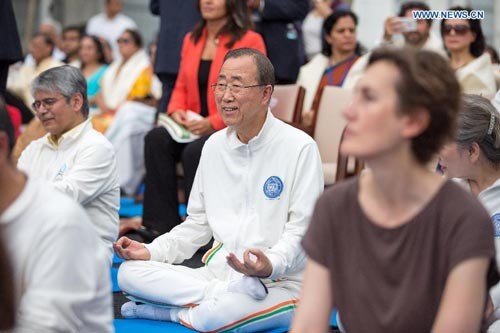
(126,79)
(93,65)
(474,158)
(399,248)
(225,25)
(464,41)
(125,114)
(340,51)
(312,26)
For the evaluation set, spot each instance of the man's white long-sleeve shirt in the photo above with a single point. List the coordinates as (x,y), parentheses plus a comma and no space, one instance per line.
(83,166)
(60,268)
(256,195)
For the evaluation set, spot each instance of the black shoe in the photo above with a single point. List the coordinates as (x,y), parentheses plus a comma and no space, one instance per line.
(148,235)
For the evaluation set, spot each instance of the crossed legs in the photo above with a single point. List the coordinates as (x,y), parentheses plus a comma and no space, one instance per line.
(202,301)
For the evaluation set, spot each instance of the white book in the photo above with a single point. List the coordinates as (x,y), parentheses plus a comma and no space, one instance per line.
(177,131)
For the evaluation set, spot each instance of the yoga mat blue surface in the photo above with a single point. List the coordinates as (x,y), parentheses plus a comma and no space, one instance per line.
(153,326)
(114,279)
(333,319)
(129,208)
(117,260)
(149,326)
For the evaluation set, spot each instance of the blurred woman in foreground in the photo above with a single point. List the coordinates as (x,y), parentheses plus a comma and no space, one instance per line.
(377,242)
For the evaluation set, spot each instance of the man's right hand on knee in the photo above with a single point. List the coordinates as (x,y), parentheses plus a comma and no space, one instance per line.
(131,250)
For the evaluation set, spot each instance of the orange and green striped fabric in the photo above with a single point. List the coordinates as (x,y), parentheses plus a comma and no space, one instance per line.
(255,317)
(210,253)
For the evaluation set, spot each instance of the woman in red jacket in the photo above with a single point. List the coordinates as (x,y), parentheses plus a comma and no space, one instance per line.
(225,25)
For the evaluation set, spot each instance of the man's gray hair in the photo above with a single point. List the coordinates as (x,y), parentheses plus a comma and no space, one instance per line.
(265,69)
(479,122)
(65,80)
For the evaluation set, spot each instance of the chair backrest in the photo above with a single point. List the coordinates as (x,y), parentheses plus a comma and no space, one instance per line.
(289,100)
(347,166)
(329,122)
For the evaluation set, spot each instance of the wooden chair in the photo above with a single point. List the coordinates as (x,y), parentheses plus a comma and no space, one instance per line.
(328,125)
(347,166)
(289,99)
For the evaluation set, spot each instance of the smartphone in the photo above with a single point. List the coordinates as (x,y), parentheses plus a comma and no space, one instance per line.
(408,24)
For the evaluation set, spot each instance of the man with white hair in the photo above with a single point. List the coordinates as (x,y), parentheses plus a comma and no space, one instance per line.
(254,192)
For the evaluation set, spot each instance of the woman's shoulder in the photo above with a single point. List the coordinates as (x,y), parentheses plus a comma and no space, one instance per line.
(250,36)
(319,60)
(102,69)
(340,194)
(457,204)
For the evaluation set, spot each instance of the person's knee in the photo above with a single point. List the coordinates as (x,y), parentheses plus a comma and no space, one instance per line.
(190,158)
(130,275)
(216,313)
(157,136)
(191,153)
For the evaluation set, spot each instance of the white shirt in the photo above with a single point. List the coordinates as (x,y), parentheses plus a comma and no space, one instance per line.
(496,101)
(312,33)
(111,29)
(490,198)
(83,166)
(432,43)
(477,76)
(60,268)
(256,195)
(20,82)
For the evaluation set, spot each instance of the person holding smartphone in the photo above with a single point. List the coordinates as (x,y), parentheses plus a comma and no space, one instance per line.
(417,35)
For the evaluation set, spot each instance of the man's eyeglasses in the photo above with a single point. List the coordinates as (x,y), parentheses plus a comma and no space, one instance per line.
(460,29)
(220,88)
(46,103)
(123,40)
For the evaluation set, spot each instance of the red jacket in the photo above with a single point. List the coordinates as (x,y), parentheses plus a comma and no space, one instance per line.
(15,118)
(185,95)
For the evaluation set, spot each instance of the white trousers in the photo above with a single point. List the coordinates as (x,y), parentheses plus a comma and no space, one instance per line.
(126,133)
(205,303)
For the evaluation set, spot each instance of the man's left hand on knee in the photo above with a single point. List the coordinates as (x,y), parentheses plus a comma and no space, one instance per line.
(255,263)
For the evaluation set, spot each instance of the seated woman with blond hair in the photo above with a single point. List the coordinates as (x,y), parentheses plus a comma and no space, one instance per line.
(474,158)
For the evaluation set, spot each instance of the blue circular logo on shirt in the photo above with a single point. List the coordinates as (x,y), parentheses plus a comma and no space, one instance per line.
(496,224)
(273,187)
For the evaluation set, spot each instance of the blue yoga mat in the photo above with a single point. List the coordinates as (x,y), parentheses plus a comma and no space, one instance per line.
(130,208)
(150,326)
(117,260)
(153,326)
(333,319)
(114,279)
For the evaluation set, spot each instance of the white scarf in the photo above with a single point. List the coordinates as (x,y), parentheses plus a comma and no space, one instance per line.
(477,77)
(116,86)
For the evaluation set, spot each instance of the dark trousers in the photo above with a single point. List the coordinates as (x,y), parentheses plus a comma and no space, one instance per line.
(4,71)
(161,154)
(168,83)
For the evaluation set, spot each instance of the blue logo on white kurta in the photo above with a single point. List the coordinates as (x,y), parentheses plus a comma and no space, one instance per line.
(62,170)
(496,224)
(273,187)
